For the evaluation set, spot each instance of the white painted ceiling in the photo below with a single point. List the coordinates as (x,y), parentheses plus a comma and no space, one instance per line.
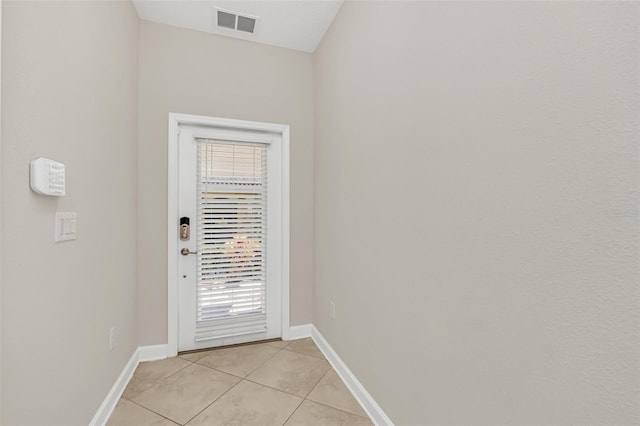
(294,24)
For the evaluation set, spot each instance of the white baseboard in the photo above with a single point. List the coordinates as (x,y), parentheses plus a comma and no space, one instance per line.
(141,354)
(109,403)
(370,406)
(300,331)
(152,353)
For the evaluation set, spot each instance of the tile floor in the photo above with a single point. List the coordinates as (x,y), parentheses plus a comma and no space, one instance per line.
(273,383)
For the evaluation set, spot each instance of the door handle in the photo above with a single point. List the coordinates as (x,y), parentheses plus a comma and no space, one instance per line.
(185,252)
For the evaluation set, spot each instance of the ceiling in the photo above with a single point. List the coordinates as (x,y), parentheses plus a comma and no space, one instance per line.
(294,24)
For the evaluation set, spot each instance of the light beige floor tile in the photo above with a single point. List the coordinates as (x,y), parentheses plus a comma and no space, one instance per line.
(279,343)
(249,404)
(291,372)
(149,373)
(333,392)
(184,394)
(194,356)
(239,360)
(305,347)
(127,413)
(310,413)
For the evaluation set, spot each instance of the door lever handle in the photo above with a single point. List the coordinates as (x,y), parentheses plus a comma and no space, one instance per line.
(185,252)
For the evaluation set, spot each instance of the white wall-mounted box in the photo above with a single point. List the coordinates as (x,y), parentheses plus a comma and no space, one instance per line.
(47,177)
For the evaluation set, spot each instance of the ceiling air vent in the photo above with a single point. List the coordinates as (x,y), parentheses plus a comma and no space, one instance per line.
(234,21)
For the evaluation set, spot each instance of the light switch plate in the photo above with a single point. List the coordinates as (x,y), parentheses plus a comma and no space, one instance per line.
(65,226)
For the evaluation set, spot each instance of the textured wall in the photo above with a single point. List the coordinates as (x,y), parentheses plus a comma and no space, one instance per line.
(69,92)
(190,72)
(476,209)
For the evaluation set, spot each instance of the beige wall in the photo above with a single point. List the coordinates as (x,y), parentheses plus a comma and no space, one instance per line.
(69,92)
(196,73)
(476,225)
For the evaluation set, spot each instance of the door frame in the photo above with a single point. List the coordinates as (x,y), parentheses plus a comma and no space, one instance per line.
(175,121)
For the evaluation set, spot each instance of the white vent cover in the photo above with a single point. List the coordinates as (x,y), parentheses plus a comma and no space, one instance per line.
(234,21)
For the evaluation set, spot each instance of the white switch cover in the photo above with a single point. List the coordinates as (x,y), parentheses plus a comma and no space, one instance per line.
(65,226)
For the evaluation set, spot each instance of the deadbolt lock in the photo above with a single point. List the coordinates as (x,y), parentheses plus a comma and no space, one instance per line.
(184,228)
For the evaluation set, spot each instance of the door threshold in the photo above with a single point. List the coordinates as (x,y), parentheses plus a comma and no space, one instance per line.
(229,346)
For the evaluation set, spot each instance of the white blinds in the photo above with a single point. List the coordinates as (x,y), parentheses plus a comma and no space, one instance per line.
(231,276)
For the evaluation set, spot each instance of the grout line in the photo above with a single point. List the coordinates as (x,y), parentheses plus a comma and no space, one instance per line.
(331,406)
(190,363)
(212,402)
(293,412)
(302,353)
(235,375)
(276,389)
(240,381)
(339,409)
(155,383)
(321,378)
(289,393)
(150,410)
(220,371)
(288,342)
(284,391)
(320,356)
(265,361)
(184,359)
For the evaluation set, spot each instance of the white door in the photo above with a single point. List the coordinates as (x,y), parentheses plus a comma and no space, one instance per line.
(229,267)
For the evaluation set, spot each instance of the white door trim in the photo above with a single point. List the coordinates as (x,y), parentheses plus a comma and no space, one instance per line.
(175,121)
